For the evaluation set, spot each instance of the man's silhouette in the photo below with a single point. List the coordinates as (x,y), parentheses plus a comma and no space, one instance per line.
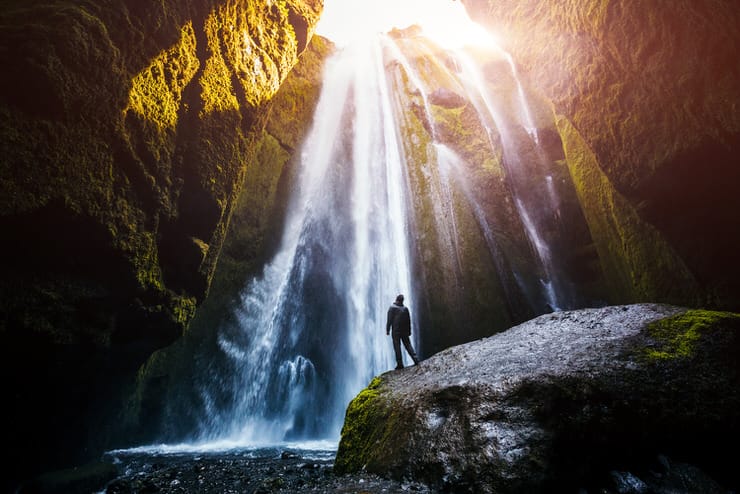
(399,319)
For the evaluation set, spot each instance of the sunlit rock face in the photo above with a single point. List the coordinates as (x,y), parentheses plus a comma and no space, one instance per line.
(125,132)
(554,404)
(161,405)
(647,103)
(497,231)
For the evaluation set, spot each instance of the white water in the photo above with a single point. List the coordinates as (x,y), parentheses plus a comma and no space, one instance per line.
(468,77)
(452,161)
(525,112)
(312,327)
(490,111)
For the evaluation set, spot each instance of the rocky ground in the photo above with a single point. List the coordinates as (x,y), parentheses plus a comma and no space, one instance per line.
(284,472)
(618,400)
(244,472)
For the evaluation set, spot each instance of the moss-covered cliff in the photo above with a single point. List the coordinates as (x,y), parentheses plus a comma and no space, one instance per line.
(650,94)
(484,191)
(463,294)
(125,139)
(166,387)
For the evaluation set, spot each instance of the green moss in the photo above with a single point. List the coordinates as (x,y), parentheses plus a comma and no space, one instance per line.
(364,424)
(183,309)
(156,91)
(637,261)
(375,435)
(217,91)
(259,45)
(293,106)
(679,335)
(146,264)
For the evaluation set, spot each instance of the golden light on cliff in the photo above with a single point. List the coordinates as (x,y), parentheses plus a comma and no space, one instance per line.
(444,21)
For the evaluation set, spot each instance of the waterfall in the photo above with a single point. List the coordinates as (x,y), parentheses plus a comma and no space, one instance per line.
(502,116)
(528,202)
(311,330)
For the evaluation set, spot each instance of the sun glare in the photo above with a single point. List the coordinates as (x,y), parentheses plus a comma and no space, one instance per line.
(444,21)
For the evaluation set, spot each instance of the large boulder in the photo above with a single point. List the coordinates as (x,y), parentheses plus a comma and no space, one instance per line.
(556,402)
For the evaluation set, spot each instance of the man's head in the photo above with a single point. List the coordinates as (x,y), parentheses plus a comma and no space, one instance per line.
(399,299)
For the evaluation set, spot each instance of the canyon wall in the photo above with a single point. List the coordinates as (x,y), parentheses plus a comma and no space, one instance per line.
(132,139)
(646,98)
(126,134)
(165,402)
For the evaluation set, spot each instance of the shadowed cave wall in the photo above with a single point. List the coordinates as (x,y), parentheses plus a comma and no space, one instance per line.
(617,114)
(646,96)
(125,133)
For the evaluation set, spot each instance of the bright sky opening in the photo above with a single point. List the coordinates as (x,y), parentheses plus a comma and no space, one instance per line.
(444,21)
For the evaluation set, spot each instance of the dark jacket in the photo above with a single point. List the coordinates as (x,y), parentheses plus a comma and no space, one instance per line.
(399,319)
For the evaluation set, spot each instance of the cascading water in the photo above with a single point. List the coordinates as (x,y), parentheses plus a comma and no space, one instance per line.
(311,332)
(527,204)
(311,326)
(463,73)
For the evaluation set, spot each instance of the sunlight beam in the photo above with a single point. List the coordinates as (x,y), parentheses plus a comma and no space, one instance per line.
(446,22)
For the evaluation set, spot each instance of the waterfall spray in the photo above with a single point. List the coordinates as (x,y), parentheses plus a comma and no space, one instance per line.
(311,326)
(311,332)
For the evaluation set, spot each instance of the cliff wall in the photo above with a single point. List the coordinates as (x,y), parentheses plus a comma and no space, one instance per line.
(646,96)
(125,136)
(163,402)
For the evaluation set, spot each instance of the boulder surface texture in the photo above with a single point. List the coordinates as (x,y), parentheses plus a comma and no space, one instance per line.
(555,403)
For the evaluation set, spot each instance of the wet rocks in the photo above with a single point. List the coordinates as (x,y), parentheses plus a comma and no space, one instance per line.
(238,472)
(447,98)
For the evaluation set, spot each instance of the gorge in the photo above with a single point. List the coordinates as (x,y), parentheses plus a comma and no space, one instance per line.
(210,208)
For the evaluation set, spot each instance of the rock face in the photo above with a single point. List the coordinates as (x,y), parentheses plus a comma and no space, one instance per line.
(646,100)
(551,404)
(125,134)
(158,401)
(488,189)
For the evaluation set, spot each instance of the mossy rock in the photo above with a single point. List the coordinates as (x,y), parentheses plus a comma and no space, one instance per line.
(683,336)
(556,402)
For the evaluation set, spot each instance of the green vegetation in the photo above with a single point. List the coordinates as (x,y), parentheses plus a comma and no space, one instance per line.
(638,263)
(366,430)
(156,91)
(679,336)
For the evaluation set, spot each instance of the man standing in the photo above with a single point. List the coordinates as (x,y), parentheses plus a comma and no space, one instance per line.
(399,319)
